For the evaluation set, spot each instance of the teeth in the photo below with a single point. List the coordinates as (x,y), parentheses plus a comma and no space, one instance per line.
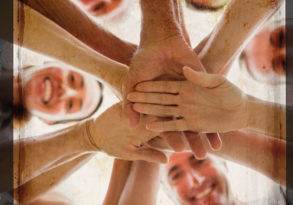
(204,193)
(48,90)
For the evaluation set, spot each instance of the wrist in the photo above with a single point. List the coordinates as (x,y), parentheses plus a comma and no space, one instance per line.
(91,142)
(159,21)
(252,105)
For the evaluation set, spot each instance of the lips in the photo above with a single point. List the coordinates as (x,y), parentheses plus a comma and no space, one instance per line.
(203,192)
(48,90)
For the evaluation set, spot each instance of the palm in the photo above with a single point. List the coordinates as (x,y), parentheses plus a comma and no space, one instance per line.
(225,98)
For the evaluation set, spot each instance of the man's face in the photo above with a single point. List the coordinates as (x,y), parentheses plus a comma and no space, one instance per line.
(101,7)
(265,54)
(197,182)
(56,93)
(207,4)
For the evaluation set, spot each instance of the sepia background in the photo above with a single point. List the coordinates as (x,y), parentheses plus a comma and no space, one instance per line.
(88,185)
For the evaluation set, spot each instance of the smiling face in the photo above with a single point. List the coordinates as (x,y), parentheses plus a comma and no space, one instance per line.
(101,7)
(196,182)
(265,55)
(57,94)
(207,4)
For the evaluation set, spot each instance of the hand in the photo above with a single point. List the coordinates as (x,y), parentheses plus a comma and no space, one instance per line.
(163,59)
(205,103)
(110,133)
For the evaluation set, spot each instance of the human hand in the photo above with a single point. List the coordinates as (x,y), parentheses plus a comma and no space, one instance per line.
(205,103)
(158,60)
(164,60)
(111,134)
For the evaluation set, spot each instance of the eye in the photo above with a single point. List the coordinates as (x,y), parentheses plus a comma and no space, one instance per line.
(71,80)
(279,63)
(278,38)
(176,176)
(69,105)
(99,6)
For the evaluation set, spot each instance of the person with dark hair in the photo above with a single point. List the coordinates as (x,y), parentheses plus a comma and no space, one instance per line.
(207,5)
(265,55)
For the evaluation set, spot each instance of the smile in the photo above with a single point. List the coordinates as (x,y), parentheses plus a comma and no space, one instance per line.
(48,90)
(201,195)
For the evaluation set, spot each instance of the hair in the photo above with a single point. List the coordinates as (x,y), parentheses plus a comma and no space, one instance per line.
(202,6)
(243,58)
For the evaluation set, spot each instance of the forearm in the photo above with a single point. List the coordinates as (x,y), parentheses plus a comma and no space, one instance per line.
(71,18)
(142,184)
(239,21)
(180,18)
(119,176)
(158,21)
(34,156)
(266,118)
(259,152)
(48,180)
(40,34)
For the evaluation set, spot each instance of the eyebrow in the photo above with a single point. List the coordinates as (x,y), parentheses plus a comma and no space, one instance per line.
(173,169)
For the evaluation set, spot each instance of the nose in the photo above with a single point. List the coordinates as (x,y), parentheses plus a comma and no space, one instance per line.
(68,92)
(196,178)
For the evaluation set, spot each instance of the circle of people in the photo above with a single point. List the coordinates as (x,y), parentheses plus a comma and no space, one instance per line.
(174,99)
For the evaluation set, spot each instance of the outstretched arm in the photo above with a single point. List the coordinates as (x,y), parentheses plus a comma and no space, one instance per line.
(37,33)
(140,183)
(206,103)
(45,182)
(120,174)
(240,20)
(68,16)
(109,133)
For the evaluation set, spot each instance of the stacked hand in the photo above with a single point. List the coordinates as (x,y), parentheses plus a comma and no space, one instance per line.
(203,103)
(111,133)
(164,60)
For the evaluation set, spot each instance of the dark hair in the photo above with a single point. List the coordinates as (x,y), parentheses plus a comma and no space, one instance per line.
(202,6)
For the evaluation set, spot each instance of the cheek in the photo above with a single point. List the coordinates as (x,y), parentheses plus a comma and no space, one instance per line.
(182,187)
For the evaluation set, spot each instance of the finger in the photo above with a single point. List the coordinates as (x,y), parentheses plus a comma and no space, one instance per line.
(127,106)
(196,145)
(154,98)
(157,110)
(150,155)
(201,45)
(166,126)
(132,115)
(158,143)
(202,79)
(214,140)
(159,86)
(175,140)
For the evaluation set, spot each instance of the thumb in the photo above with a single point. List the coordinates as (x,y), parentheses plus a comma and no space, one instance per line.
(202,79)
(150,155)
